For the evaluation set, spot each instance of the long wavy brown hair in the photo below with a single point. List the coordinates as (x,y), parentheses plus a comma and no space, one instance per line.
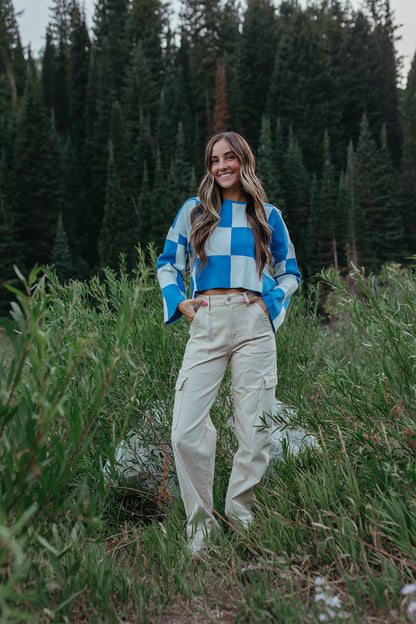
(206,215)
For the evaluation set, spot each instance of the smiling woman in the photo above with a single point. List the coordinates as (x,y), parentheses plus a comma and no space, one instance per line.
(243,272)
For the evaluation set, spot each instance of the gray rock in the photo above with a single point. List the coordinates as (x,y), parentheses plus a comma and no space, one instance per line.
(283,435)
(150,464)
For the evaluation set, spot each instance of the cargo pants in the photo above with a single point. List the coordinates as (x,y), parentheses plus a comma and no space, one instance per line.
(227,330)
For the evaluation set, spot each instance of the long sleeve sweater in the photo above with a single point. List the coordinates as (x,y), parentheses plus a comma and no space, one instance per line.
(231,260)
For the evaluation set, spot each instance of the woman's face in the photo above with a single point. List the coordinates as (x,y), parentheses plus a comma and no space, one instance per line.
(225,167)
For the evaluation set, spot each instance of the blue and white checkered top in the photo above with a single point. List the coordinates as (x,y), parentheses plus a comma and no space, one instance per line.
(231,260)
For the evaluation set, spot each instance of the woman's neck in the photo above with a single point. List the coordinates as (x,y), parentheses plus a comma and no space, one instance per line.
(234,195)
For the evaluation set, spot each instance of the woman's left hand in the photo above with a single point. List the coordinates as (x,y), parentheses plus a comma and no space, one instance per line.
(261,303)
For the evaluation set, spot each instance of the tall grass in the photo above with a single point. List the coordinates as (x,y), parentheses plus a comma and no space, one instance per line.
(88,363)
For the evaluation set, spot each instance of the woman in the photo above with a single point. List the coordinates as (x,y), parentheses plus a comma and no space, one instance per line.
(243,271)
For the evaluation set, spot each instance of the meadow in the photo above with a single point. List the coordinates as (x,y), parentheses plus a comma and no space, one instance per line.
(82,364)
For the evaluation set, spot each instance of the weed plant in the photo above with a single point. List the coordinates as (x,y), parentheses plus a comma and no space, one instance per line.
(84,363)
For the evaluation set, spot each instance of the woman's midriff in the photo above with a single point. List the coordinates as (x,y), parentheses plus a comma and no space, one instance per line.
(219,291)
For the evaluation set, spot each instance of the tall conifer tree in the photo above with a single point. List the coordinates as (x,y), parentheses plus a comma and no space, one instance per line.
(313,258)
(257,53)
(118,231)
(61,256)
(266,164)
(296,193)
(328,242)
(352,216)
(38,178)
(409,162)
(379,217)
(78,67)
(109,59)
(145,206)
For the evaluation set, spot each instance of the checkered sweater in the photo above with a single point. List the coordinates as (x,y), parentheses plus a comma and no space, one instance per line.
(231,260)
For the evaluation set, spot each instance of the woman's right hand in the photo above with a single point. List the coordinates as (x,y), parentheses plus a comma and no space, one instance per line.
(187,307)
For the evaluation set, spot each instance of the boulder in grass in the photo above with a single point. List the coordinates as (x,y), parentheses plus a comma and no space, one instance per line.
(286,438)
(151,465)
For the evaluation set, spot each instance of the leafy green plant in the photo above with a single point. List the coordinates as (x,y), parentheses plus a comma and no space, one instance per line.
(87,363)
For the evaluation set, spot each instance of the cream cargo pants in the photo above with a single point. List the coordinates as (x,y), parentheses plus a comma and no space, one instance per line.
(228,329)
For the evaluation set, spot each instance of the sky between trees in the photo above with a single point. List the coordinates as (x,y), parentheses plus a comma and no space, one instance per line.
(36,15)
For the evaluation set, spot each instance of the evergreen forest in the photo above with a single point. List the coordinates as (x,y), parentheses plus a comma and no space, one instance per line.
(102,137)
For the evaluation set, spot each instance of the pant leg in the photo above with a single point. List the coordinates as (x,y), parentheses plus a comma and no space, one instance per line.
(254,378)
(193,433)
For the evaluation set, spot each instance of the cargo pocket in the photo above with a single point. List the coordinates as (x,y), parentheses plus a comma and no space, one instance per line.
(269,385)
(179,388)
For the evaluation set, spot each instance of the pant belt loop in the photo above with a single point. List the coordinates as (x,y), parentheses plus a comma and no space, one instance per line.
(246,298)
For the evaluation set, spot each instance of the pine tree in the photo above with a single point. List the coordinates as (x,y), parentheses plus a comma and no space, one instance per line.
(54,65)
(141,93)
(165,135)
(118,231)
(352,216)
(342,221)
(179,183)
(145,206)
(161,215)
(143,153)
(304,90)
(61,254)
(328,251)
(257,53)
(10,251)
(109,59)
(266,164)
(73,217)
(48,71)
(200,22)
(209,31)
(369,75)
(295,185)
(356,45)
(383,95)
(12,61)
(390,217)
(379,216)
(366,163)
(313,262)
(38,178)
(78,67)
(409,162)
(146,24)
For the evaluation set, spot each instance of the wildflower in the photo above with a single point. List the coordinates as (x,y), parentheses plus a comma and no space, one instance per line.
(320,596)
(408,589)
(411,608)
(320,580)
(334,601)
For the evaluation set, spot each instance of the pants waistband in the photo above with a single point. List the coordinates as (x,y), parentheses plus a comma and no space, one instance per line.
(228,298)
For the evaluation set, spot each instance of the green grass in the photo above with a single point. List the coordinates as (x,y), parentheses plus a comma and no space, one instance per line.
(87,362)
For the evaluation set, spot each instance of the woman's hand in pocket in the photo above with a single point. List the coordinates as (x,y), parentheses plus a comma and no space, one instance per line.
(259,300)
(189,307)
